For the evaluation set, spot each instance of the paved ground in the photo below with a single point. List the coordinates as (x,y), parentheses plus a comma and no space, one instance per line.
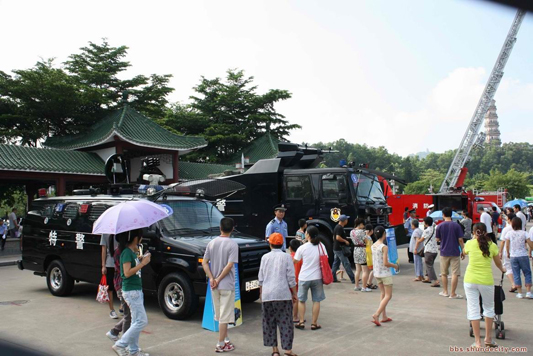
(424,323)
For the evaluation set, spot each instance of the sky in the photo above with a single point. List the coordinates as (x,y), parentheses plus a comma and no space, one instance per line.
(404,74)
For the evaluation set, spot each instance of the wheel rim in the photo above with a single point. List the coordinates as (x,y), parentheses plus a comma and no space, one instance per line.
(56,278)
(174,296)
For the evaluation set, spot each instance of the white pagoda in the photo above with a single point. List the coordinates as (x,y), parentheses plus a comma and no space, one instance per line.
(492,131)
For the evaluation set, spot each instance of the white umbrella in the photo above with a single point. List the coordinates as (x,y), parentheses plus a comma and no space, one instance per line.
(129,215)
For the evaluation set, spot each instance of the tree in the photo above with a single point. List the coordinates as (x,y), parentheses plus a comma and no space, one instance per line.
(46,101)
(515,182)
(229,114)
(37,102)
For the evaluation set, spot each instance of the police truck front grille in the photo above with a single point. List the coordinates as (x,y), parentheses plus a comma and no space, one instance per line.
(252,259)
(96,211)
(378,220)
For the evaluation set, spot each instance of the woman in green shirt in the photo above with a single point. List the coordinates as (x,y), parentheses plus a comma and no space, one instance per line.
(130,271)
(479,281)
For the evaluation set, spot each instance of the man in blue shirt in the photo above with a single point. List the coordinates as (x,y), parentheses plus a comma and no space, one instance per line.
(278,225)
(3,231)
(409,232)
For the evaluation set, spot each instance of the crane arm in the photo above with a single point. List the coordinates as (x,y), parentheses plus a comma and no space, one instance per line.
(470,137)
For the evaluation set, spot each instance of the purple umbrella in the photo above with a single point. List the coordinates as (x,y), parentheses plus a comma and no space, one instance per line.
(129,215)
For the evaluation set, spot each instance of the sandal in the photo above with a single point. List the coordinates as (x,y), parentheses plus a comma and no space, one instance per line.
(435,285)
(386,320)
(513,290)
(315,326)
(289,354)
(426,281)
(300,326)
(298,321)
(276,353)
(491,344)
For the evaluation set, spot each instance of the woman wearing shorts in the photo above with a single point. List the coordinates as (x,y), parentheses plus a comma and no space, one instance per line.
(310,276)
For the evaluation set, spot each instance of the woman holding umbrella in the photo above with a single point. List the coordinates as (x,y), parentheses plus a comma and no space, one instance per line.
(129,218)
(130,271)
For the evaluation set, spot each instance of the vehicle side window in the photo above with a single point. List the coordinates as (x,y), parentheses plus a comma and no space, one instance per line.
(299,187)
(334,187)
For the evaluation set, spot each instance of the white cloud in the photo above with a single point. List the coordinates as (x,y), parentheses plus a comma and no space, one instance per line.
(438,125)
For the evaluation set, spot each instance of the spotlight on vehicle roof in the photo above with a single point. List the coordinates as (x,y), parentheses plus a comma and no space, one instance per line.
(200,193)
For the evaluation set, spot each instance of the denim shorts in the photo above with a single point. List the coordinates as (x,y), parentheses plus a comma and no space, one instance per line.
(317,290)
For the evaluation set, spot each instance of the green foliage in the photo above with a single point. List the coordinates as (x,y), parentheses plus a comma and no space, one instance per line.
(429,182)
(515,182)
(45,100)
(229,114)
(12,196)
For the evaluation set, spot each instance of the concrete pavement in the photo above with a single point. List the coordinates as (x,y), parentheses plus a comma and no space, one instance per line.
(424,323)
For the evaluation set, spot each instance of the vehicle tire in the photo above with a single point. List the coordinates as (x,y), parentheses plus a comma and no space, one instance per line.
(250,297)
(58,280)
(176,296)
(326,240)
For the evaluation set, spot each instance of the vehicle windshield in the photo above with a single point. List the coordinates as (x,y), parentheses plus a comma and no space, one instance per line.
(191,215)
(367,188)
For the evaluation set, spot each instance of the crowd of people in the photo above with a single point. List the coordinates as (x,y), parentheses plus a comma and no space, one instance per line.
(287,277)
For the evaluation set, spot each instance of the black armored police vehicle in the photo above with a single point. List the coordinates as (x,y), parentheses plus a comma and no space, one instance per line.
(319,195)
(57,243)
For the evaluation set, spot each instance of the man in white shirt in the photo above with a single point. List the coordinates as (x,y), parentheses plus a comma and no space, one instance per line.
(520,214)
(486,219)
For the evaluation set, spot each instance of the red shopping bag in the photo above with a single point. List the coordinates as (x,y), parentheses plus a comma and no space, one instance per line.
(103,295)
(327,276)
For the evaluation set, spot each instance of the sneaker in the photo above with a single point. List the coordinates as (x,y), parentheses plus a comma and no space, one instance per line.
(357,289)
(366,290)
(224,348)
(113,314)
(529,295)
(519,296)
(111,336)
(139,353)
(120,351)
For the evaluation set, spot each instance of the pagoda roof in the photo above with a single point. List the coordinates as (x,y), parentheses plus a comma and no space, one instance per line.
(47,160)
(130,126)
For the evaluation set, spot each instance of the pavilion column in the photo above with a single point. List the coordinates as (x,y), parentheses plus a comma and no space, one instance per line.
(61,186)
(175,166)
(31,192)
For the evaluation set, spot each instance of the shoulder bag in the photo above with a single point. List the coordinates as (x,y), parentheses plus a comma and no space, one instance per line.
(327,276)
(421,253)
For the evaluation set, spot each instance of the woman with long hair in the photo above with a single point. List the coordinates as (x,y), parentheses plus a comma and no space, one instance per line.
(383,274)
(358,236)
(130,271)
(479,282)
(515,243)
(310,277)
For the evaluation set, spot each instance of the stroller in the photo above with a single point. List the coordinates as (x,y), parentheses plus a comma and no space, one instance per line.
(499,297)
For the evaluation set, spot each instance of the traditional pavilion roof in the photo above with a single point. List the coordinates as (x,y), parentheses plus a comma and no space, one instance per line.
(193,170)
(33,159)
(130,126)
(264,147)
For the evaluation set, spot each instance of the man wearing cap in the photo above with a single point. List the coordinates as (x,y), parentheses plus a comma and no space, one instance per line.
(339,240)
(431,209)
(486,219)
(278,224)
(409,231)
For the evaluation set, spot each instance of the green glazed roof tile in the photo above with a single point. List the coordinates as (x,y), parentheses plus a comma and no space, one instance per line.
(130,126)
(20,158)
